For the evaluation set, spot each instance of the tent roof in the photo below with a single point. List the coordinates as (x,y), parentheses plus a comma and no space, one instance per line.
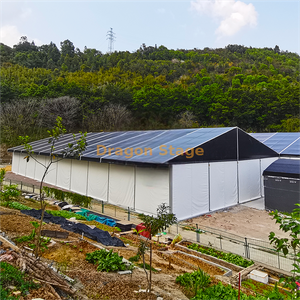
(284,143)
(284,168)
(217,143)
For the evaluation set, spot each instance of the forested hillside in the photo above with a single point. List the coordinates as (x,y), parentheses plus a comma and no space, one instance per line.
(151,88)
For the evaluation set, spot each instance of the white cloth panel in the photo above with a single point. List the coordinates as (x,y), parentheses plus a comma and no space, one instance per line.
(223,184)
(64,174)
(79,176)
(190,191)
(121,185)
(265,162)
(52,171)
(249,180)
(40,169)
(152,189)
(22,164)
(30,168)
(98,180)
(15,163)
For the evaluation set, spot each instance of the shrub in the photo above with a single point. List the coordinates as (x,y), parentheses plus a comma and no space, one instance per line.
(106,260)
(194,281)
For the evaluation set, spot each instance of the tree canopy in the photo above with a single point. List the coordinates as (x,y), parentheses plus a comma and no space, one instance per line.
(255,89)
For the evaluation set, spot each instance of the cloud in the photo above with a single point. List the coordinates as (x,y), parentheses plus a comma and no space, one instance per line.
(10,35)
(231,15)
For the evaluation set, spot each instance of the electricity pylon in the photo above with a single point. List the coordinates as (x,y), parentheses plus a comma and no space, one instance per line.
(111,38)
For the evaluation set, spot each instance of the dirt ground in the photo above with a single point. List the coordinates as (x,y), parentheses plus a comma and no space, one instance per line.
(241,220)
(70,259)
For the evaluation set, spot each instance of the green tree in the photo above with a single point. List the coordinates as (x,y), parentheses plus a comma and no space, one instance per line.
(289,224)
(72,150)
(156,224)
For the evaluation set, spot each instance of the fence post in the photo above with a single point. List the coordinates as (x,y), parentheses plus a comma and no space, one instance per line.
(197,234)
(21,185)
(220,242)
(33,188)
(128,213)
(246,248)
(278,261)
(102,207)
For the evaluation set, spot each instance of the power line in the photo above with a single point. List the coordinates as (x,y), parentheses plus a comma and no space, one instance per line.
(110,36)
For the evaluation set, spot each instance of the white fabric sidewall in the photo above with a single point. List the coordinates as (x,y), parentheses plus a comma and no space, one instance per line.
(40,169)
(22,164)
(249,180)
(190,191)
(98,180)
(79,176)
(50,178)
(30,168)
(223,184)
(265,162)
(64,174)
(15,163)
(152,189)
(121,185)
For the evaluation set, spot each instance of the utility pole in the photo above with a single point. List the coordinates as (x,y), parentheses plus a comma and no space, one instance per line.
(111,38)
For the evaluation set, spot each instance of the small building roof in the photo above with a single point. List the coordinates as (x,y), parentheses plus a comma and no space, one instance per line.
(284,168)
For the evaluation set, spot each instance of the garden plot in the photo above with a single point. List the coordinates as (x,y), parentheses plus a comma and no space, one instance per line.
(69,257)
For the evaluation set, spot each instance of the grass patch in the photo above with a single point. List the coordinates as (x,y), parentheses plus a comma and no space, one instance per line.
(229,257)
(11,276)
(147,267)
(65,214)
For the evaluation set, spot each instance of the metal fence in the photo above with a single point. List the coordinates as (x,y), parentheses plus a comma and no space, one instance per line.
(257,250)
(101,207)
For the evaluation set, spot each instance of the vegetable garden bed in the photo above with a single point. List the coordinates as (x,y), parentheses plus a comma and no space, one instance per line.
(183,246)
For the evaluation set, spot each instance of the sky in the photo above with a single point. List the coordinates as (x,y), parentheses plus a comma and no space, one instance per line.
(175,24)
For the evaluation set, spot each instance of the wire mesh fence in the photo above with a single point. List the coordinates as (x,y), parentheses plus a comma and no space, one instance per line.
(101,207)
(253,249)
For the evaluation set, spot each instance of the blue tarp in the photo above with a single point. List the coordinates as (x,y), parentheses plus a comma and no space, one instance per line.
(91,217)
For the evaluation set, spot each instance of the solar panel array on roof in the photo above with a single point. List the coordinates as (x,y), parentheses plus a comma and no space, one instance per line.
(124,141)
(284,143)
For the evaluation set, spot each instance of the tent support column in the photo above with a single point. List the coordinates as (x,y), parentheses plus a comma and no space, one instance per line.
(134,188)
(108,171)
(70,174)
(87,179)
(237,166)
(208,186)
(170,189)
(260,177)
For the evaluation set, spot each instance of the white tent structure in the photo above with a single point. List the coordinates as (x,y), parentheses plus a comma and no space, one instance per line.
(194,171)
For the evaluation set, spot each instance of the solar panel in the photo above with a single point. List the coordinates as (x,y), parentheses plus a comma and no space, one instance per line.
(262,136)
(152,146)
(293,149)
(281,140)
